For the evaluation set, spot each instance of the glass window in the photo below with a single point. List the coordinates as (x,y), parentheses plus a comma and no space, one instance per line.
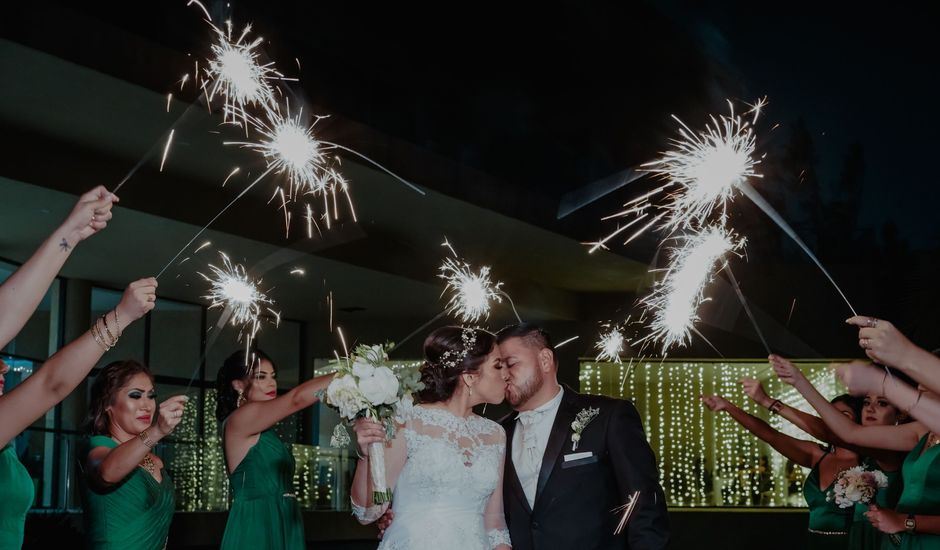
(175,339)
(132,342)
(39,337)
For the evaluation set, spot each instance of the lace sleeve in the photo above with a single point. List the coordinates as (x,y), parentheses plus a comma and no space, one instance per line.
(367,514)
(494,519)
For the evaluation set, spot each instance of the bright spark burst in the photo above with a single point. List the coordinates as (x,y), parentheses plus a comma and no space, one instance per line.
(289,147)
(472,291)
(235,71)
(706,167)
(675,300)
(231,288)
(701,176)
(610,344)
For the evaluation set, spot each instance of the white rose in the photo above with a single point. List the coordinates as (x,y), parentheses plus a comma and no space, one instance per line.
(362,369)
(381,388)
(343,394)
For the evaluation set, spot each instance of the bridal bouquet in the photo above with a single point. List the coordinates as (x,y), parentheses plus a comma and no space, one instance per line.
(856,485)
(367,386)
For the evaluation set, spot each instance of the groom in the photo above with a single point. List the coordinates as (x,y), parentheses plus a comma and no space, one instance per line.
(565,487)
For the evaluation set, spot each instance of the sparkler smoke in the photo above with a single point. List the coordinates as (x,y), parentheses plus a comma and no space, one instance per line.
(610,344)
(472,291)
(231,288)
(674,301)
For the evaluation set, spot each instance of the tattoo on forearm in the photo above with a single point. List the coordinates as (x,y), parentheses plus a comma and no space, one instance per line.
(64,245)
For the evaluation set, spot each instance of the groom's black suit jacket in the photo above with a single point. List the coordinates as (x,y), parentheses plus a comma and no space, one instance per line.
(575,502)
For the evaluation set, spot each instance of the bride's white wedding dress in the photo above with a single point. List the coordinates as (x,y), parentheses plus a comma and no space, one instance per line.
(447,474)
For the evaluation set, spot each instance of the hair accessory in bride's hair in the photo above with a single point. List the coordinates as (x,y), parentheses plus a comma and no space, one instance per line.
(453,358)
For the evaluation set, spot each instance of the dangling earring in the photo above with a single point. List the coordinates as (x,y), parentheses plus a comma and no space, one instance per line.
(469,387)
(241,399)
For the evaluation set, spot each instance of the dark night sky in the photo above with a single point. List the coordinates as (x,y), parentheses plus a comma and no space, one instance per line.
(852,75)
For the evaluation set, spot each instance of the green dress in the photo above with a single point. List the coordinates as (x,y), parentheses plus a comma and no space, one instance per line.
(862,536)
(16,488)
(135,513)
(264,512)
(921,493)
(828,524)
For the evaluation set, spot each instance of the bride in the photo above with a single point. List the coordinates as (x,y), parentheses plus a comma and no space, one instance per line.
(445,463)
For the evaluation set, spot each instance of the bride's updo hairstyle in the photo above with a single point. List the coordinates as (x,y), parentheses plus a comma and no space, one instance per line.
(448,353)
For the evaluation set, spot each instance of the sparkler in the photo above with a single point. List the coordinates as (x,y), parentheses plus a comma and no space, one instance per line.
(235,72)
(610,344)
(702,174)
(472,291)
(675,300)
(706,167)
(231,288)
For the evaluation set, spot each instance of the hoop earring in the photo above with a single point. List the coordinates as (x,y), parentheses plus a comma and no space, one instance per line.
(241,399)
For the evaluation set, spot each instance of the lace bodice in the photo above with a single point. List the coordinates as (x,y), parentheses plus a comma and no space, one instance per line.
(447,477)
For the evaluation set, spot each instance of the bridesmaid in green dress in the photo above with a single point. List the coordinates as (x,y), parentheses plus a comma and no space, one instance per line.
(17,489)
(915,521)
(875,411)
(264,512)
(828,524)
(128,497)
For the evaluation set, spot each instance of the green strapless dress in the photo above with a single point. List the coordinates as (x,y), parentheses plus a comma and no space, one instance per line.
(921,492)
(17,492)
(135,513)
(264,512)
(828,524)
(862,536)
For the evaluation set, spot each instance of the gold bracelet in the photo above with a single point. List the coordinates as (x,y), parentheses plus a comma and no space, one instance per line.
(107,329)
(145,439)
(118,323)
(97,337)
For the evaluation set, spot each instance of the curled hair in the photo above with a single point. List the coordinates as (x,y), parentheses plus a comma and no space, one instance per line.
(112,378)
(235,367)
(440,376)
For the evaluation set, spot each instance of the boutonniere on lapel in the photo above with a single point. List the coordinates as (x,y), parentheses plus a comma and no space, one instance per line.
(580,422)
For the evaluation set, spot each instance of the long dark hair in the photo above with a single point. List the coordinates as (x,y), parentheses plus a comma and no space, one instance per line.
(440,379)
(111,379)
(237,366)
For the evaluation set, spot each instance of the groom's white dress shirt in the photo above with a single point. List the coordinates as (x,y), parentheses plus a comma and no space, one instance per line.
(528,443)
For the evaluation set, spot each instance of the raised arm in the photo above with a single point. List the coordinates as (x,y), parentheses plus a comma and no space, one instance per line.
(804,453)
(811,424)
(257,416)
(885,344)
(635,469)
(107,467)
(861,377)
(22,292)
(368,431)
(896,438)
(62,372)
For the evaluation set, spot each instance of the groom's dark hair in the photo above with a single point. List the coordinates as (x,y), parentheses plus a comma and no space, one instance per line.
(533,335)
